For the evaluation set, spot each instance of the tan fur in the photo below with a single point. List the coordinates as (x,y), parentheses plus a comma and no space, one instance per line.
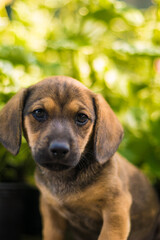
(32,136)
(92,190)
(47,103)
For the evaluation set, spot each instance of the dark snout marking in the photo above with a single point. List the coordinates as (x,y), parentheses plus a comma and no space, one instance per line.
(59,149)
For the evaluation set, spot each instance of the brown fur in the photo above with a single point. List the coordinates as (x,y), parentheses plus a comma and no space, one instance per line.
(89,189)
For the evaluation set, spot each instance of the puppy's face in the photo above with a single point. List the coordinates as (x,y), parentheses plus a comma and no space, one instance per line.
(58,121)
(61,120)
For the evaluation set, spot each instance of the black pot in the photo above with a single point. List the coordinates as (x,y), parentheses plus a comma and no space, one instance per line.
(19,211)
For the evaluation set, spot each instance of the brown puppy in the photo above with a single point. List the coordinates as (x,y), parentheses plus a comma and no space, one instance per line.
(85,186)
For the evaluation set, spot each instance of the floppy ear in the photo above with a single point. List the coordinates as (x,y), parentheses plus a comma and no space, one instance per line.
(108,130)
(11,122)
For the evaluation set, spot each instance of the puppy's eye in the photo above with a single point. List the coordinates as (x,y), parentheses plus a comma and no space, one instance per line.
(81,119)
(40,115)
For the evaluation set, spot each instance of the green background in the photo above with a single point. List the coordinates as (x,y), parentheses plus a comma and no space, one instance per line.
(110,47)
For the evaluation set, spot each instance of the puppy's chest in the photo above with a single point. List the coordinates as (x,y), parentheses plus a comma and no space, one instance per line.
(82,213)
(78,204)
(83,209)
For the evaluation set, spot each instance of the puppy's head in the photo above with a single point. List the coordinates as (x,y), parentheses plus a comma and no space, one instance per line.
(59,117)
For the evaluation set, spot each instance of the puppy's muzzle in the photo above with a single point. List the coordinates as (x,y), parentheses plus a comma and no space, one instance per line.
(58,159)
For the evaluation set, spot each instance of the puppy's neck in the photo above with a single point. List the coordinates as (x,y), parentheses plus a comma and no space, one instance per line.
(69,181)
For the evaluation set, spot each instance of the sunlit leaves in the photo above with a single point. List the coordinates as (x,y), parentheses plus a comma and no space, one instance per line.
(110,47)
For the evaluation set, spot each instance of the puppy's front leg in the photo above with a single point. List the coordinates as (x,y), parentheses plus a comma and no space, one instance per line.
(54,225)
(116,219)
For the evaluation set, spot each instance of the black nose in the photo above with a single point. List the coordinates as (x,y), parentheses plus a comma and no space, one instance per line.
(59,149)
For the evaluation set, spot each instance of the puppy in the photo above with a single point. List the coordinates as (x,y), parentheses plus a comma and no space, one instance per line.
(85,185)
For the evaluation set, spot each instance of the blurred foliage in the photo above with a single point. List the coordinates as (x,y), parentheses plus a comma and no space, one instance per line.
(110,47)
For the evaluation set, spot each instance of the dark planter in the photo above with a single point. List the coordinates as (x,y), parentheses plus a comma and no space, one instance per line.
(19,214)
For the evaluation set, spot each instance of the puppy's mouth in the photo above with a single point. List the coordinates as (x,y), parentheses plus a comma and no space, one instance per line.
(55,166)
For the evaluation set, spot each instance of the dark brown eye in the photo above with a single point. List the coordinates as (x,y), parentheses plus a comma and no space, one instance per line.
(40,115)
(81,119)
